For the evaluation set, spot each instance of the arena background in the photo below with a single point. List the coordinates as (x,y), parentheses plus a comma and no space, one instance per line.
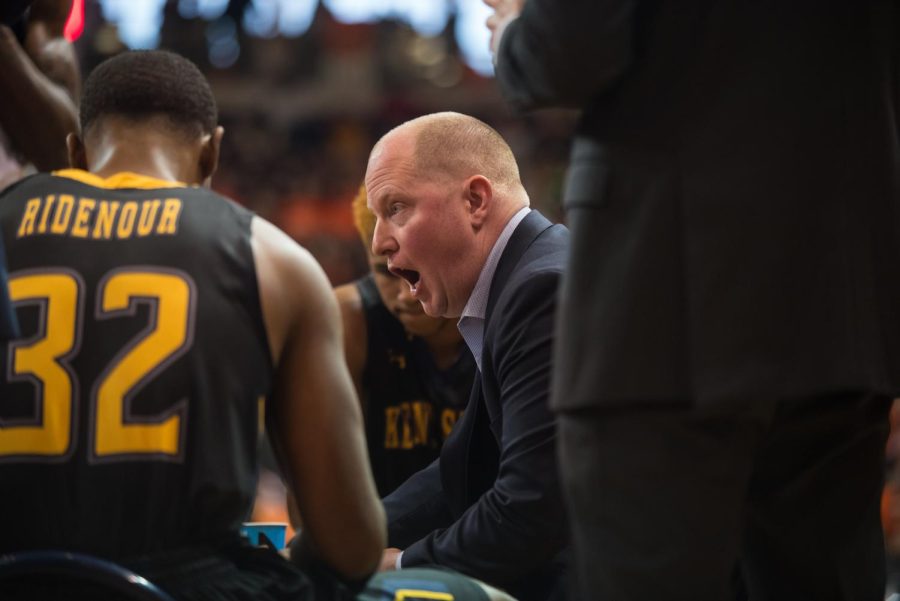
(305,88)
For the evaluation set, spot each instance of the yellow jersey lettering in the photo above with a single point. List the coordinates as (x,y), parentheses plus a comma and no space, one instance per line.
(26,226)
(42,228)
(106,216)
(168,222)
(448,419)
(63,214)
(406,440)
(407,425)
(391,437)
(126,220)
(421,416)
(99,220)
(82,215)
(149,209)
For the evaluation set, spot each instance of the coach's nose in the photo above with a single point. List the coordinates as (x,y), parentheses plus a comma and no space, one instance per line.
(383,242)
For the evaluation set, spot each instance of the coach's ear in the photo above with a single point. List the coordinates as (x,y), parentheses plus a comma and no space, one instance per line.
(478,194)
(77,155)
(209,155)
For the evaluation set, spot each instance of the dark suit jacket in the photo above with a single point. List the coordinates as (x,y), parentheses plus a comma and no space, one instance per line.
(733,195)
(490,507)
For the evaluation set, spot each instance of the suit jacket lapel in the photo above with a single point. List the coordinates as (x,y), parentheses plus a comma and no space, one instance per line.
(524,234)
(472,443)
(522,237)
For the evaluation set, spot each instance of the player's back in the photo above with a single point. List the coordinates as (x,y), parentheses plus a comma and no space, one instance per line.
(128,409)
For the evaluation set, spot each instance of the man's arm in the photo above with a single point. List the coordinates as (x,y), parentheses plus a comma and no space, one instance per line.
(562,53)
(519,524)
(356,335)
(317,422)
(417,507)
(40,84)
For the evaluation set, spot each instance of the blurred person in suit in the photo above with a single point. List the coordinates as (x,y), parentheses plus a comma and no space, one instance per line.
(453,220)
(729,337)
(890,501)
(413,372)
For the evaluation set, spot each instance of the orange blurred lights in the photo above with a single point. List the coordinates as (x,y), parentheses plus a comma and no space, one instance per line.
(75,22)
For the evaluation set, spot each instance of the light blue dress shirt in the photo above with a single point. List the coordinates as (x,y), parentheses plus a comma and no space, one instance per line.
(471,321)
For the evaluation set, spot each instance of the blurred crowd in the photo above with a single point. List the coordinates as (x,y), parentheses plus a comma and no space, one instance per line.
(301,114)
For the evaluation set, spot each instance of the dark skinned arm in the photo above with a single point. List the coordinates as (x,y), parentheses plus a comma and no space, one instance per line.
(40,84)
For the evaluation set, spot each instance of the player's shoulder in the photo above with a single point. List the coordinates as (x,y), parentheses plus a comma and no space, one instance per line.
(349,298)
(26,184)
(353,311)
(289,270)
(294,290)
(273,244)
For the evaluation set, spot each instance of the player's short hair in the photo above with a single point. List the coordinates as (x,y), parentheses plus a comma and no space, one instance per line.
(364,218)
(141,84)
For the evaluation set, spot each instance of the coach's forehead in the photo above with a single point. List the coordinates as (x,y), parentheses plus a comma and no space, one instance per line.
(391,160)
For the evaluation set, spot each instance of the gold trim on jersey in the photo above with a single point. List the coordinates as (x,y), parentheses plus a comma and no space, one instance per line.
(123,179)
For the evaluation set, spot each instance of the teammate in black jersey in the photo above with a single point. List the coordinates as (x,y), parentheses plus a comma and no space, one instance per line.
(154,314)
(413,372)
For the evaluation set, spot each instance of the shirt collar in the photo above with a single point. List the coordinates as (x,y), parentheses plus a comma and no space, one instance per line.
(471,321)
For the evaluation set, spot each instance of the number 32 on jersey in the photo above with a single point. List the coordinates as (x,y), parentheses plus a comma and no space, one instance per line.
(44,361)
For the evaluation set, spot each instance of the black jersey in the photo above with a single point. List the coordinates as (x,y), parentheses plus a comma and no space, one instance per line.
(128,408)
(9,326)
(410,404)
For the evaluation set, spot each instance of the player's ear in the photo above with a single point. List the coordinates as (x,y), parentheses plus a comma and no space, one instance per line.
(77,154)
(209,154)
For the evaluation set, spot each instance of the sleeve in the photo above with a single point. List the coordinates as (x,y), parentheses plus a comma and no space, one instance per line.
(416,507)
(519,524)
(564,53)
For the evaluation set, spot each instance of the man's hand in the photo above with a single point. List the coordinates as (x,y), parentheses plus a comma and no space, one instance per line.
(389,559)
(504,12)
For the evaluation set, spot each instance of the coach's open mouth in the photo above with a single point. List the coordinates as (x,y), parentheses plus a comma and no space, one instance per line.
(409,275)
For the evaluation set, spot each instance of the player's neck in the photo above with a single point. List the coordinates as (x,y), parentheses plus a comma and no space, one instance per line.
(147,153)
(151,162)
